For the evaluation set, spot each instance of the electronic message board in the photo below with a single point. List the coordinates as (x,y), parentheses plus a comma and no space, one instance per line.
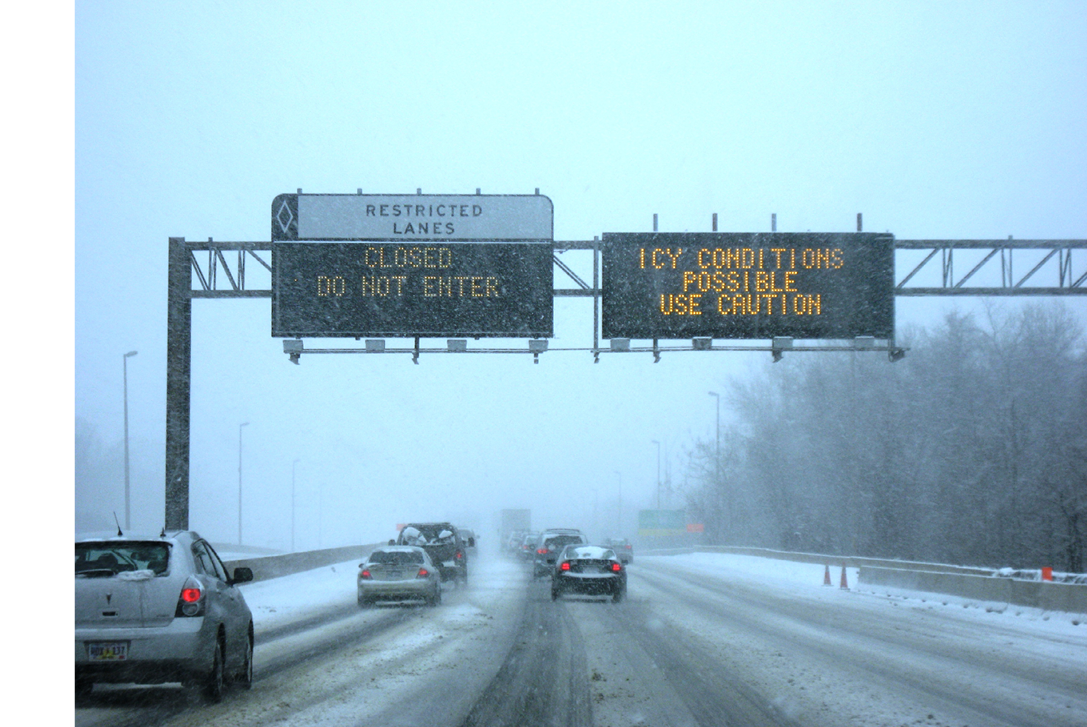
(417,288)
(747,285)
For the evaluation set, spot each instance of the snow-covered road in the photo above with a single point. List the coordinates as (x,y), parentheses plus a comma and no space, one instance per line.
(703,639)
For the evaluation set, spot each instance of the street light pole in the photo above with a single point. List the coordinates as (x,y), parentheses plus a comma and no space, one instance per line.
(596,519)
(718,435)
(292,503)
(619,515)
(128,493)
(717,458)
(243,424)
(658,473)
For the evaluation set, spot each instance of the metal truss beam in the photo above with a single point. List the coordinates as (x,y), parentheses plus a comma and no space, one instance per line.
(1069,278)
(215,277)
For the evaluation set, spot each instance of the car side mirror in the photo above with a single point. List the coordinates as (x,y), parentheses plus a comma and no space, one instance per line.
(242,574)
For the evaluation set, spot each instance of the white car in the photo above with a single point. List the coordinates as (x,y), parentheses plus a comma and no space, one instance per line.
(152,609)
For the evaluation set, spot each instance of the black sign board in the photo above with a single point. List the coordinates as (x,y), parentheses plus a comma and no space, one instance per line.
(747,285)
(428,289)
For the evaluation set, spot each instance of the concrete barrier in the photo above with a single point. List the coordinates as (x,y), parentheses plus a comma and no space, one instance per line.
(274,566)
(981,584)
(1046,595)
(838,561)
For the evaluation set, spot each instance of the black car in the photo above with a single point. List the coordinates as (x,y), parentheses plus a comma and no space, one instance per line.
(443,543)
(526,549)
(590,570)
(549,544)
(622,548)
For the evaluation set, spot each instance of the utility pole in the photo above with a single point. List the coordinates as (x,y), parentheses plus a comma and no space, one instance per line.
(658,473)
(293,464)
(128,491)
(619,514)
(717,458)
(243,424)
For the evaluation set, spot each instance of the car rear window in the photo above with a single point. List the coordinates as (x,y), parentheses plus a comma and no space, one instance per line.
(430,534)
(560,541)
(109,558)
(594,552)
(394,557)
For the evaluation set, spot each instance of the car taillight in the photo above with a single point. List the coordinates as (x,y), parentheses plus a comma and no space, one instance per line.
(565,565)
(365,574)
(191,601)
(542,551)
(423,573)
(616,567)
(459,555)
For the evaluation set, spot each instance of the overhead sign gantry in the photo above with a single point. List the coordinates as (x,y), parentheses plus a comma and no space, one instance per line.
(481,265)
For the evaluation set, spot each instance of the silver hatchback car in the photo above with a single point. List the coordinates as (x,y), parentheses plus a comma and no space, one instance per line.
(399,573)
(151,609)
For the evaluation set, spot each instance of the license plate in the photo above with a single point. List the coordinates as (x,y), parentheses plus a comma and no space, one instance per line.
(108,651)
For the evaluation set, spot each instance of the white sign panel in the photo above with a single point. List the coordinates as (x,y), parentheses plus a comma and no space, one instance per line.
(410,217)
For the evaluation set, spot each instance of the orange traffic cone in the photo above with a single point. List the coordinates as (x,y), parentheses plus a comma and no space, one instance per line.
(826,577)
(845,585)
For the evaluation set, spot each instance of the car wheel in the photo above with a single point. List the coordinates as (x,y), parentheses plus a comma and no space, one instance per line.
(435,599)
(555,593)
(365,602)
(618,595)
(213,682)
(244,678)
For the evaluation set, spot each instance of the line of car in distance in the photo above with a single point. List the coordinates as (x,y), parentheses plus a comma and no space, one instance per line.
(154,609)
(622,547)
(548,546)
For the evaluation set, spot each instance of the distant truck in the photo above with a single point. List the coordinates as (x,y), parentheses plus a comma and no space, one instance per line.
(512,522)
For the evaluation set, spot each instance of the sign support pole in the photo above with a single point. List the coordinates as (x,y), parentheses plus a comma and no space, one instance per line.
(178,372)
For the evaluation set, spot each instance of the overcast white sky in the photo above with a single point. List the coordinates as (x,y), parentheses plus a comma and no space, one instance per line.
(933,119)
